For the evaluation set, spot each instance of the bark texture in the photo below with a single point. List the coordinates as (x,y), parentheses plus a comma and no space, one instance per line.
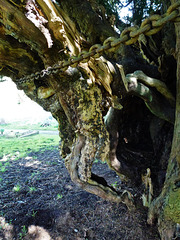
(167,205)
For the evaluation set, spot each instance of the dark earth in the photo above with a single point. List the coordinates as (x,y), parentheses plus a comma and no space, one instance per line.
(48,205)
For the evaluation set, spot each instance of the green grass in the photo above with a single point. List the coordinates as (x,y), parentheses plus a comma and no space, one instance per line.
(32,189)
(59,196)
(23,232)
(20,147)
(27,126)
(17,188)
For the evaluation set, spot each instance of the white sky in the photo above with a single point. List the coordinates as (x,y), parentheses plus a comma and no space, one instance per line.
(124,12)
(10,110)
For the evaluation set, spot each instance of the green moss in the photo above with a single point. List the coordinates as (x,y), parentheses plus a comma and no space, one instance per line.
(172,208)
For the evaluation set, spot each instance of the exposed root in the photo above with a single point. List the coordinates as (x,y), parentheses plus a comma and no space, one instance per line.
(81,175)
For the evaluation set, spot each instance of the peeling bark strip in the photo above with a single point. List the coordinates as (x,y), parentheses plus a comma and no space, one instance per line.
(99,103)
(18,26)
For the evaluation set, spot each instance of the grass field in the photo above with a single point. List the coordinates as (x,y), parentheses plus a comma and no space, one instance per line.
(19,147)
(28,126)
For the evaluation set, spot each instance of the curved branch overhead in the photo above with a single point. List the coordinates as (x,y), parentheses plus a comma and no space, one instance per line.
(93,26)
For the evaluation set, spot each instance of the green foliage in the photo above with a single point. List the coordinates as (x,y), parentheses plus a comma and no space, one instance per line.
(142,8)
(139,9)
(111,6)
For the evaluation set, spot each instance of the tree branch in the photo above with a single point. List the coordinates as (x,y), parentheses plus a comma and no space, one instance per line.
(18,26)
(157,104)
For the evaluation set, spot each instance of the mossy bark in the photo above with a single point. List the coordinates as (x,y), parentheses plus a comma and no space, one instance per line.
(167,206)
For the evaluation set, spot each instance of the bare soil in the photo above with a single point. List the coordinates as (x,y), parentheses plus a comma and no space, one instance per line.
(48,205)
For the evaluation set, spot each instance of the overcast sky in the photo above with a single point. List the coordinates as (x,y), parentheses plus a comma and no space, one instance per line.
(15,105)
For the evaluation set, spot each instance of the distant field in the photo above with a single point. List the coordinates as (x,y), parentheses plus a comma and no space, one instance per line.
(28,126)
(19,147)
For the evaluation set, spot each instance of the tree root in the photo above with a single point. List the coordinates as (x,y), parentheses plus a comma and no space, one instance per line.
(91,141)
(88,183)
(120,167)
